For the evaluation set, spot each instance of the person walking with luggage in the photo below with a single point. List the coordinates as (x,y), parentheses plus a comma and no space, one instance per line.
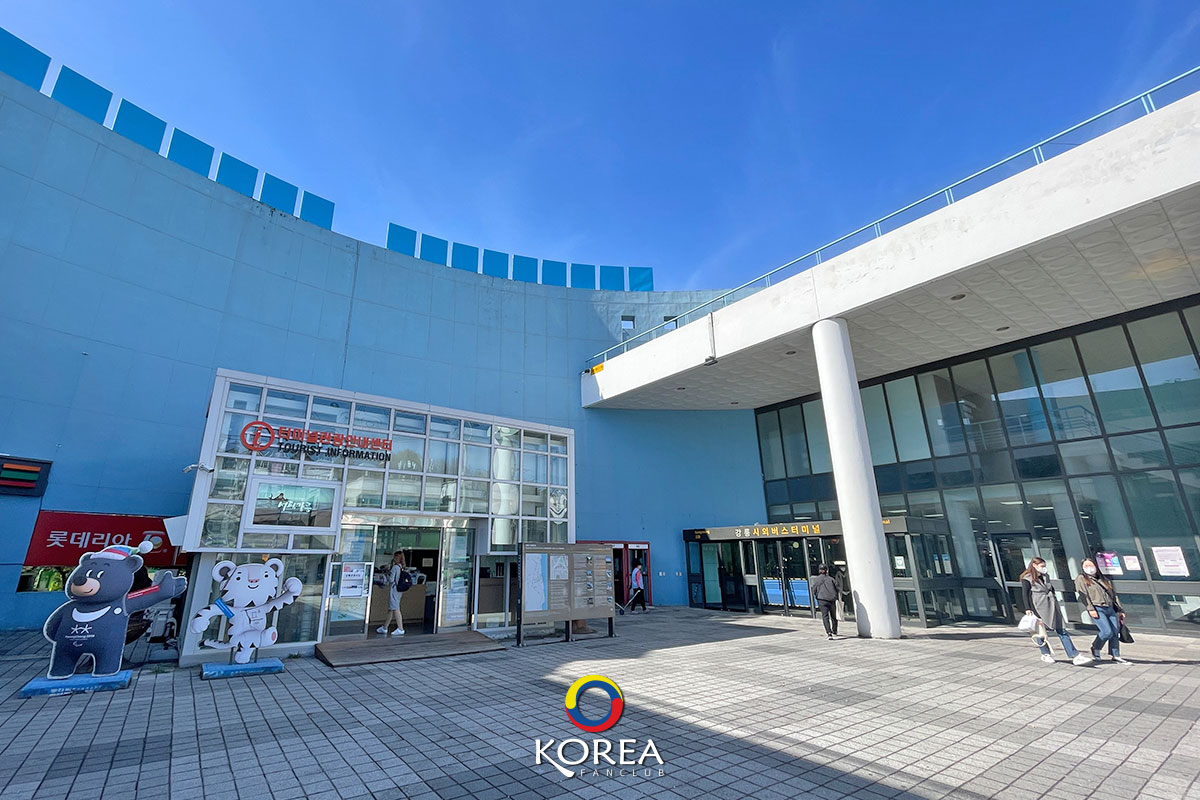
(639,587)
(397,578)
(1041,602)
(826,590)
(1099,598)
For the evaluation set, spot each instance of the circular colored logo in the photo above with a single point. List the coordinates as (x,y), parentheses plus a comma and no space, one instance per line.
(617,703)
(253,433)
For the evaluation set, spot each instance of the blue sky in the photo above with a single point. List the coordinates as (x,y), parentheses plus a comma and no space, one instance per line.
(709,140)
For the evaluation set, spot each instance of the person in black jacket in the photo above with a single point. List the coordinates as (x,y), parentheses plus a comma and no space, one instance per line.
(826,590)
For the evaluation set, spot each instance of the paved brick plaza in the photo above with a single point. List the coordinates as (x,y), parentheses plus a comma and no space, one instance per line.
(737,705)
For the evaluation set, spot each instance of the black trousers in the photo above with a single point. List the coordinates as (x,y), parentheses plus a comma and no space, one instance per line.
(829,615)
(639,597)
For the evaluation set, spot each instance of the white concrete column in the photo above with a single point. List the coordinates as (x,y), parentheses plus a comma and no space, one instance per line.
(854,477)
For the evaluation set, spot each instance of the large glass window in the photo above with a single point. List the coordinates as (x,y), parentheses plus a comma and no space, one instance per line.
(795,443)
(1020,405)
(293,505)
(442,458)
(440,494)
(818,438)
(477,461)
(1056,526)
(1089,455)
(286,404)
(967,525)
(404,491)
(1185,445)
(1103,519)
(907,422)
(977,406)
(1115,380)
(244,398)
(1169,366)
(941,413)
(1005,508)
(1162,524)
(408,453)
(364,488)
(879,429)
(1072,415)
(770,446)
(1138,451)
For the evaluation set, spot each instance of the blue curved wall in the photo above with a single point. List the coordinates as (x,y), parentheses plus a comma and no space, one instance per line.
(126,280)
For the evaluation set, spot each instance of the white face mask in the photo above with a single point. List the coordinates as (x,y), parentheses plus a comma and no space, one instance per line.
(1089,570)
(1043,568)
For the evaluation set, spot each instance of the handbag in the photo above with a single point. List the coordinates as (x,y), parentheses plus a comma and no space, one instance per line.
(1124,635)
(1029,624)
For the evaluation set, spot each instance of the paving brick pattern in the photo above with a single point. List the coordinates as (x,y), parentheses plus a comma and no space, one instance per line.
(737,705)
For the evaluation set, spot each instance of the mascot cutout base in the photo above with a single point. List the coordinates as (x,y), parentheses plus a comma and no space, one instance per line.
(94,621)
(248,593)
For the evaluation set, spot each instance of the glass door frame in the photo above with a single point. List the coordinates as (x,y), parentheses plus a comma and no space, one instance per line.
(333,568)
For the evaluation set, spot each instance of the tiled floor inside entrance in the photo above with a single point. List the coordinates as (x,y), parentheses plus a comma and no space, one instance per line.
(737,706)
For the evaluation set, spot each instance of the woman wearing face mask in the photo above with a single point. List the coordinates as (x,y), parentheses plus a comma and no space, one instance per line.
(1041,603)
(1096,593)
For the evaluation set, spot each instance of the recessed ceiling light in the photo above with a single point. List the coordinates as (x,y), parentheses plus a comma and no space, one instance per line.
(680,388)
(1002,328)
(957,297)
(790,353)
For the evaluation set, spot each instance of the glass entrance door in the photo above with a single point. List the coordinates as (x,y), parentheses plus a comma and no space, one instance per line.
(795,575)
(1012,553)
(770,576)
(350,584)
(454,582)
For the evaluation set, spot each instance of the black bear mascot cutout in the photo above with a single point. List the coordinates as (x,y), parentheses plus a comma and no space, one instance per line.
(94,620)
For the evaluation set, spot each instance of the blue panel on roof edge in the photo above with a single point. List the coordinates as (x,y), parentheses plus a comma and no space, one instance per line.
(554,273)
(641,279)
(317,210)
(278,193)
(188,151)
(139,125)
(401,239)
(433,249)
(464,257)
(612,279)
(525,268)
(496,264)
(583,276)
(77,92)
(237,175)
(22,60)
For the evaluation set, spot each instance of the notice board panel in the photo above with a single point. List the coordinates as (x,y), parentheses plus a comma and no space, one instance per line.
(564,582)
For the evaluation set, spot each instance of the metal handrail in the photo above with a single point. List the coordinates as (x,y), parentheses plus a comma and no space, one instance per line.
(947,193)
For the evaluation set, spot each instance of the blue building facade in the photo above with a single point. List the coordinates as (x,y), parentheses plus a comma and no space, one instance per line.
(129,279)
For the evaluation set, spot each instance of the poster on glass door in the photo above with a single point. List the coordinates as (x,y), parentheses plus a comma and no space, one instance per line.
(354,580)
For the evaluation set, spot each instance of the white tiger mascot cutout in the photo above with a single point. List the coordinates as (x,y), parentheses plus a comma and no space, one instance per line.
(249,592)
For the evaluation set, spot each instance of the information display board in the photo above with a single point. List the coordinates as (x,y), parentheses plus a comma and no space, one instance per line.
(565,583)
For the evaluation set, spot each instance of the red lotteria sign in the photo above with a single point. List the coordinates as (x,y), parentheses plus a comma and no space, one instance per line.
(61,537)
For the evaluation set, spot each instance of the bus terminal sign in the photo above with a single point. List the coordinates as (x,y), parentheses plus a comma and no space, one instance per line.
(258,436)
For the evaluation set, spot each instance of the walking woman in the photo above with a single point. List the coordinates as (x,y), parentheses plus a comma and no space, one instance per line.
(396,588)
(1097,595)
(1041,603)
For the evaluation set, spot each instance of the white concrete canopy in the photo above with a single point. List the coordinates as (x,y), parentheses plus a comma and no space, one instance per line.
(1110,226)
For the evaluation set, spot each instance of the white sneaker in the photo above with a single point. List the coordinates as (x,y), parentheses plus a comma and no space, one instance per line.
(382,630)
(1047,659)
(1082,660)
(398,632)
(1119,660)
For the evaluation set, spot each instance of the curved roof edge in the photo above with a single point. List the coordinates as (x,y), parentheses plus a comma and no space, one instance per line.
(31,66)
